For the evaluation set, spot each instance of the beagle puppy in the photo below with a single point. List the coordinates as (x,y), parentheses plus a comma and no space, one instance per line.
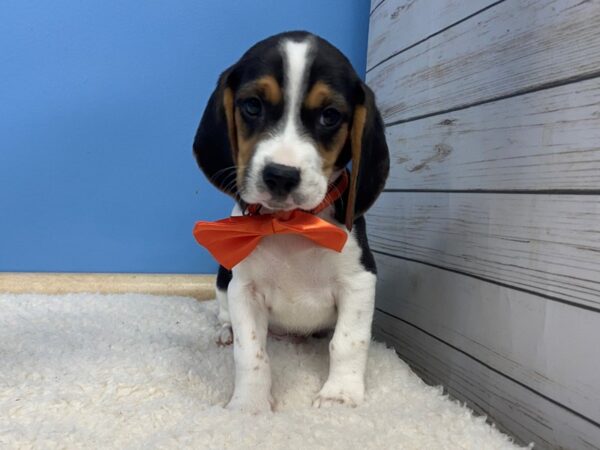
(281,126)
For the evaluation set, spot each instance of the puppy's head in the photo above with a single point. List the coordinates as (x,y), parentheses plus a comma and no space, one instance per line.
(285,120)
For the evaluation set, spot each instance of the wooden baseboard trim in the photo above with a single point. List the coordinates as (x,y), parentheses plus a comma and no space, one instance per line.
(200,287)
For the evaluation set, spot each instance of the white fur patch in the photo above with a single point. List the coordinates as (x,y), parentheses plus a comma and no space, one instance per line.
(296,65)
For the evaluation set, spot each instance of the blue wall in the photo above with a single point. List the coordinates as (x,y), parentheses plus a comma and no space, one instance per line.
(99,102)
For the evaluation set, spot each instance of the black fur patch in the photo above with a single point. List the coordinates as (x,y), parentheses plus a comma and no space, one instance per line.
(366,257)
(223,278)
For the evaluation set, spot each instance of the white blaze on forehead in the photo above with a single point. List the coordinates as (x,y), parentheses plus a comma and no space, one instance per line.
(296,57)
(296,64)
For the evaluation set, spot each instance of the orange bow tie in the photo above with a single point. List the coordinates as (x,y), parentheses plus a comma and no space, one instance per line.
(231,240)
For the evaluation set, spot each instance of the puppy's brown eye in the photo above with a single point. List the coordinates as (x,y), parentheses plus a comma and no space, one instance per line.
(252,107)
(330,117)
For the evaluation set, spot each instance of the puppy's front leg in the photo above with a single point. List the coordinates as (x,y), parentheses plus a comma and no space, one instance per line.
(350,343)
(249,320)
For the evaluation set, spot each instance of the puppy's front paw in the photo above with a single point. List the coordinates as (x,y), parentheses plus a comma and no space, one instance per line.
(251,405)
(349,393)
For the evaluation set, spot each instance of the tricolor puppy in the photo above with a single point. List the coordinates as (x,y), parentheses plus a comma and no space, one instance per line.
(278,132)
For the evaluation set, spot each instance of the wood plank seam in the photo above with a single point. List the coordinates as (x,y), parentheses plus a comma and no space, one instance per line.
(512,408)
(375,7)
(525,336)
(544,142)
(487,280)
(528,90)
(480,405)
(545,244)
(421,41)
(493,369)
(509,48)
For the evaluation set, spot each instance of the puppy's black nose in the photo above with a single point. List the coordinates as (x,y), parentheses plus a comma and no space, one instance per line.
(280,179)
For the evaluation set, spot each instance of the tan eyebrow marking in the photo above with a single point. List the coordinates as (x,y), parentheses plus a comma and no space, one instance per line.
(321,94)
(267,86)
(270,89)
(317,95)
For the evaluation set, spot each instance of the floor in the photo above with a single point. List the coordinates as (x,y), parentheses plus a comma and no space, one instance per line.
(140,371)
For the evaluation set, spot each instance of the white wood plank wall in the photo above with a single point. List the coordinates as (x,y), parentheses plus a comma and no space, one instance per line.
(487,237)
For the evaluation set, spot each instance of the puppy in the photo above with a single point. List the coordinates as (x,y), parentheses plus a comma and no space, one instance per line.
(279,130)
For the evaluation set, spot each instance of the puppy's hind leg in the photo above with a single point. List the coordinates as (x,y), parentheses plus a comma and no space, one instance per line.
(225,335)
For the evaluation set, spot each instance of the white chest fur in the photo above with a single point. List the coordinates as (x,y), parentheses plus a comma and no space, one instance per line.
(299,282)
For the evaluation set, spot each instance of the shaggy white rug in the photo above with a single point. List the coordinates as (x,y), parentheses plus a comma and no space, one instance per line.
(135,371)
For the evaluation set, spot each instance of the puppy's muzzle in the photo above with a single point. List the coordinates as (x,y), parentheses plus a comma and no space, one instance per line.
(280,179)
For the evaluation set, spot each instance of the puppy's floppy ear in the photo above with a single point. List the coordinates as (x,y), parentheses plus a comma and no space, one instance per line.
(370,156)
(215,144)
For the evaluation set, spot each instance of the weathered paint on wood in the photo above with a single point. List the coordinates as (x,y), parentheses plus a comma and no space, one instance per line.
(546,244)
(488,236)
(516,409)
(515,46)
(398,24)
(548,346)
(545,140)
